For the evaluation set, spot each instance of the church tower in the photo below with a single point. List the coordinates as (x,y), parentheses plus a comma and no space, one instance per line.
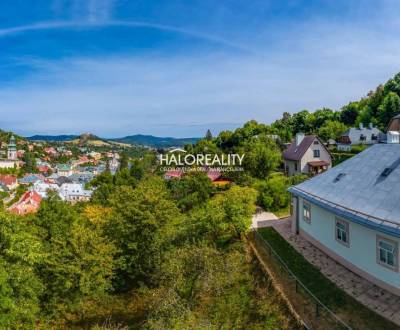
(12,149)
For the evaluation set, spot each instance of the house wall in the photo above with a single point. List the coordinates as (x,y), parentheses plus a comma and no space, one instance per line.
(290,167)
(309,156)
(360,256)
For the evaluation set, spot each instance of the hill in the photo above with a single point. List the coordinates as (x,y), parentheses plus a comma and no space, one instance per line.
(154,141)
(52,138)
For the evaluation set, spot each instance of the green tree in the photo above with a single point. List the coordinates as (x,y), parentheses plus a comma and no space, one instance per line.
(20,288)
(141,224)
(209,136)
(79,262)
(388,109)
(349,113)
(332,129)
(191,190)
(262,156)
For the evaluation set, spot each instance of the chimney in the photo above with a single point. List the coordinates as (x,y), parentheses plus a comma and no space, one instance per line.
(393,137)
(299,138)
(371,126)
(361,125)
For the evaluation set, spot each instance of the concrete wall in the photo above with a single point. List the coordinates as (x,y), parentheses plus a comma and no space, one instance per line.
(360,256)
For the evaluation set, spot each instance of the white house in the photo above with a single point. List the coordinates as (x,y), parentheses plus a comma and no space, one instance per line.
(74,192)
(352,213)
(360,135)
(307,155)
(43,187)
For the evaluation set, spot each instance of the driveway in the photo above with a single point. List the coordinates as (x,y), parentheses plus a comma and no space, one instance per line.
(263,219)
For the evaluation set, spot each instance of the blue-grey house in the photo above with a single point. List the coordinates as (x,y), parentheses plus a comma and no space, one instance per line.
(352,213)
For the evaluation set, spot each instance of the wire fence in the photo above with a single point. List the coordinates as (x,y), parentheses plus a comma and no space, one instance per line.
(314,313)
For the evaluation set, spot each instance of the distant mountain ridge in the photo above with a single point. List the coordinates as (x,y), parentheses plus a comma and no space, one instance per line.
(138,139)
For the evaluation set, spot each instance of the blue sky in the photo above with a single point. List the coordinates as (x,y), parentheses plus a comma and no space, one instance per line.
(176,68)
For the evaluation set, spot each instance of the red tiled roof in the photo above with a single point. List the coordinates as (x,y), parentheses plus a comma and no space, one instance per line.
(7,179)
(318,163)
(174,174)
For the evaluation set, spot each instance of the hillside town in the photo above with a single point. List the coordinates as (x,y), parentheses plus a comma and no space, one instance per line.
(30,170)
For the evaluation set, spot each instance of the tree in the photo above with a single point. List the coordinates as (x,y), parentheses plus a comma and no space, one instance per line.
(124,161)
(388,109)
(223,218)
(332,129)
(191,190)
(142,221)
(30,163)
(79,260)
(349,113)
(20,288)
(209,136)
(262,156)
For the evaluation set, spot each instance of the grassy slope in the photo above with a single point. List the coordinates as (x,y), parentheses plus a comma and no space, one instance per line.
(350,310)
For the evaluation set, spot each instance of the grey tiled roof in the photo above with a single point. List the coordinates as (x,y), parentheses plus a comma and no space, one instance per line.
(362,187)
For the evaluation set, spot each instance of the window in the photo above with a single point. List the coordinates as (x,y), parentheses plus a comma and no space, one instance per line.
(316,153)
(363,137)
(316,142)
(342,232)
(387,253)
(374,137)
(307,212)
(295,166)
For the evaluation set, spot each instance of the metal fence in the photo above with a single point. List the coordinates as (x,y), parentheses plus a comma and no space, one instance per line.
(314,313)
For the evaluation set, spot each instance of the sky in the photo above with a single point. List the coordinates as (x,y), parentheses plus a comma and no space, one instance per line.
(179,67)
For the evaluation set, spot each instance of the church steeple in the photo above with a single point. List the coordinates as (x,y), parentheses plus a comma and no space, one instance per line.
(12,149)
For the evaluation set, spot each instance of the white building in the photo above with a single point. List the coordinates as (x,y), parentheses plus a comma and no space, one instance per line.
(12,160)
(42,188)
(352,213)
(74,192)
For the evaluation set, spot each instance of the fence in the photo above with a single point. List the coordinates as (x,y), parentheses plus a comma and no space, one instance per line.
(314,313)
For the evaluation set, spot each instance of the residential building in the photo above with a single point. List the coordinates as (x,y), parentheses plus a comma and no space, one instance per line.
(31,179)
(28,203)
(42,188)
(73,192)
(10,181)
(306,155)
(360,135)
(352,213)
(64,170)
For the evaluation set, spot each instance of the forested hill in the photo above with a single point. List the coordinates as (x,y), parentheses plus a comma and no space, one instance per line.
(378,107)
(138,139)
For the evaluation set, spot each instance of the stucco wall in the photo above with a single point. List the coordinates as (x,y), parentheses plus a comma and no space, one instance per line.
(290,167)
(362,248)
(309,156)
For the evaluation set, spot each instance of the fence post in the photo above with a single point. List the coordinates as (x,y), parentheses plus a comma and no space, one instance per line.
(295,281)
(317,309)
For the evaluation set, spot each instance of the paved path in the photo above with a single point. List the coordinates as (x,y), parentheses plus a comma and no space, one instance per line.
(379,300)
(263,219)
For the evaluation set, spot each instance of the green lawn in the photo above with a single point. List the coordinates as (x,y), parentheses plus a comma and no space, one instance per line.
(351,311)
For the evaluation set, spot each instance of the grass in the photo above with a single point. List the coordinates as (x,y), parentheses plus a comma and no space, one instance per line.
(283,213)
(350,310)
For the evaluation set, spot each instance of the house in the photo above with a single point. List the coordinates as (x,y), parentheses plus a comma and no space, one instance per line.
(306,155)
(64,170)
(74,192)
(28,203)
(31,179)
(42,188)
(10,181)
(173,174)
(352,213)
(394,124)
(360,135)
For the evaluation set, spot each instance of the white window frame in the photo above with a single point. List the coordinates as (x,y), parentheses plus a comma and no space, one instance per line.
(306,213)
(345,231)
(319,153)
(394,251)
